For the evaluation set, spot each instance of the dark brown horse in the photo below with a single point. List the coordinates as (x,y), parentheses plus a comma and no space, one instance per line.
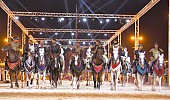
(54,70)
(77,66)
(13,63)
(97,68)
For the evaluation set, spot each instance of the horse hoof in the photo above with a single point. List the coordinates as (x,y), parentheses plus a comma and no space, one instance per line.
(78,86)
(153,89)
(11,86)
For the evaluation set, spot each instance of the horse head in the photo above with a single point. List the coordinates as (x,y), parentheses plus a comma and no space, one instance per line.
(76,57)
(41,55)
(142,59)
(115,54)
(161,61)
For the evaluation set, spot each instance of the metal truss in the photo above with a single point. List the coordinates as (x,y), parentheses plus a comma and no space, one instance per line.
(151,4)
(11,17)
(46,14)
(69,30)
(73,40)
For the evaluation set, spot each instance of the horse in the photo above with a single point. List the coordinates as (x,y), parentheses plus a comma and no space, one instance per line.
(29,67)
(42,66)
(88,68)
(115,69)
(77,65)
(125,67)
(54,70)
(141,70)
(158,71)
(97,68)
(13,63)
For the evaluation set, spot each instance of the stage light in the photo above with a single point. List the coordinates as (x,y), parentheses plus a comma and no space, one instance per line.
(72,34)
(127,20)
(101,21)
(42,18)
(46,42)
(89,43)
(16,17)
(105,34)
(84,19)
(69,42)
(89,34)
(56,33)
(107,20)
(61,19)
(84,42)
(115,20)
(41,33)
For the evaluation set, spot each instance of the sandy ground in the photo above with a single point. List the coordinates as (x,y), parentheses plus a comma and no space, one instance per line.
(66,92)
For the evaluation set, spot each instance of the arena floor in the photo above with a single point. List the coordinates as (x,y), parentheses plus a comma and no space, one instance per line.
(66,92)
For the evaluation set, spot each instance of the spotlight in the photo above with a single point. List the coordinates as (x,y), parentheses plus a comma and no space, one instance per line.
(72,34)
(127,20)
(89,43)
(42,18)
(41,33)
(69,42)
(46,42)
(84,42)
(115,20)
(62,19)
(84,19)
(101,21)
(56,33)
(107,20)
(105,34)
(16,17)
(89,34)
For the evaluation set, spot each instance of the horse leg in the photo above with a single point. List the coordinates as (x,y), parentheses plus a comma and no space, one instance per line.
(111,74)
(31,79)
(74,82)
(127,76)
(44,76)
(16,79)
(116,79)
(11,78)
(94,79)
(22,79)
(142,81)
(87,77)
(27,80)
(39,76)
(153,82)
(78,84)
(139,81)
(160,78)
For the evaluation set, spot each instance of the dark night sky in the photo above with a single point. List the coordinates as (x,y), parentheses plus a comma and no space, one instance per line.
(153,25)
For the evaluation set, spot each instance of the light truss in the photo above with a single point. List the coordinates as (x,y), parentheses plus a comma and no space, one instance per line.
(12,16)
(69,30)
(151,4)
(46,14)
(73,40)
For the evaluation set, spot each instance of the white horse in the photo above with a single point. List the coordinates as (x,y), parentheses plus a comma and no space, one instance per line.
(88,59)
(63,67)
(106,60)
(126,64)
(41,67)
(158,71)
(29,66)
(115,68)
(141,70)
